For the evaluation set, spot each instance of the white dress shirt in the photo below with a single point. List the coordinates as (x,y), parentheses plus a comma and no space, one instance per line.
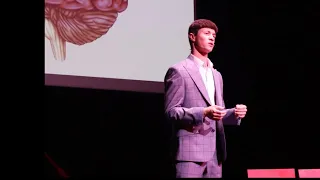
(207,76)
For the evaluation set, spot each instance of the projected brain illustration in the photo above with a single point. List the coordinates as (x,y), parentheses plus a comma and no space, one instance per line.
(79,21)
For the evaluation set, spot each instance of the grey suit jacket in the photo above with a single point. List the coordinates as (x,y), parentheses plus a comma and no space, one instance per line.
(185,100)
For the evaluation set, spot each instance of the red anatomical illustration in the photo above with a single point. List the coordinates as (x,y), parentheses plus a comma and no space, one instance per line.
(79,21)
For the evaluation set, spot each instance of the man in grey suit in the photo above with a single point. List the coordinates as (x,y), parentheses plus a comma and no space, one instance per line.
(194,100)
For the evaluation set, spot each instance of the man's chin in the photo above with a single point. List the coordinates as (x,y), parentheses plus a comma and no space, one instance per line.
(207,51)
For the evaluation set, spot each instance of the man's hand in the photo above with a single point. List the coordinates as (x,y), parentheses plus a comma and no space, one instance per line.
(240,110)
(214,112)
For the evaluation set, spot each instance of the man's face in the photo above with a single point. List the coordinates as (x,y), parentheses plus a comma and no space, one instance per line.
(204,40)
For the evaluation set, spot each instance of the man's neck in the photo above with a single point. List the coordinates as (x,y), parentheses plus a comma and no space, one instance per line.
(202,57)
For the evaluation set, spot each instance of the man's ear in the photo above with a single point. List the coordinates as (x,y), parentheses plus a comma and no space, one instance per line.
(192,37)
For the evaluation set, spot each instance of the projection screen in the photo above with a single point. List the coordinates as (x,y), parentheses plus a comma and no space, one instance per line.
(115,44)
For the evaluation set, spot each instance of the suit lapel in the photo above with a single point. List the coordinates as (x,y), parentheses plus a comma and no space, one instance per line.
(195,75)
(217,85)
(219,124)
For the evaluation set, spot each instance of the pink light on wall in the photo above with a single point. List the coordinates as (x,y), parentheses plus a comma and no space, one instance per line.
(309,173)
(271,173)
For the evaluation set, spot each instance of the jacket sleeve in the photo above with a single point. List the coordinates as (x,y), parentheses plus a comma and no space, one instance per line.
(174,97)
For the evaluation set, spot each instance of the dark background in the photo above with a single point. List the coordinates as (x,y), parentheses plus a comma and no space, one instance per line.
(265,52)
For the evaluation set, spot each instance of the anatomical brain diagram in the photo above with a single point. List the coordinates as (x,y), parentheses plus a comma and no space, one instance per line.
(79,21)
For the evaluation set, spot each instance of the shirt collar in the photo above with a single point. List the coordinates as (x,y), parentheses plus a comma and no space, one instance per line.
(199,62)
